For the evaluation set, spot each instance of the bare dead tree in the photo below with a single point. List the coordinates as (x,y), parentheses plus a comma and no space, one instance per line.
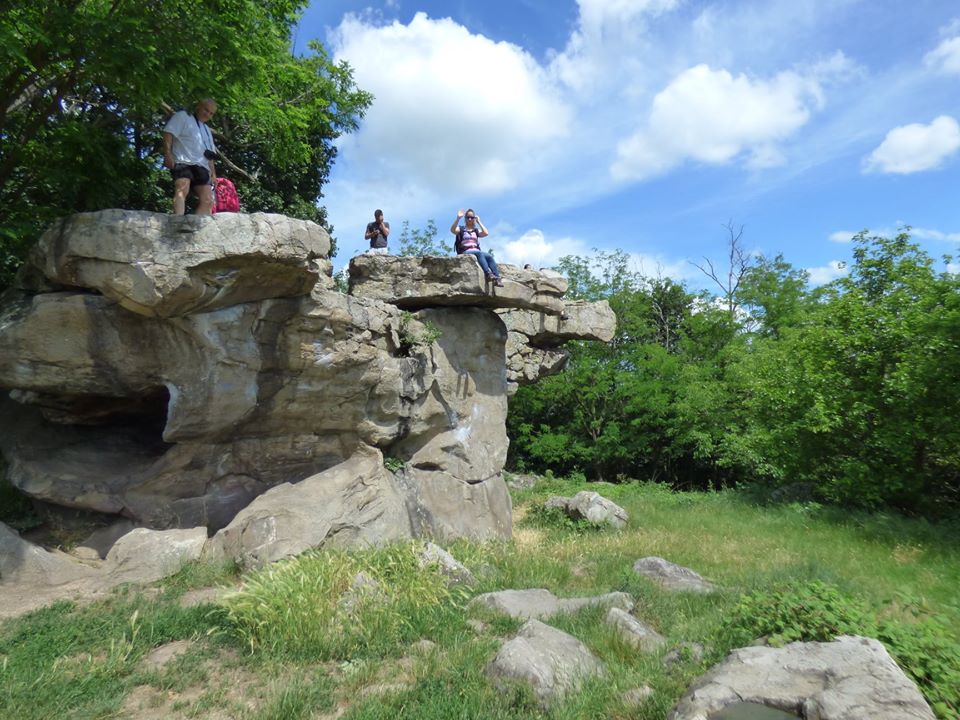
(738,263)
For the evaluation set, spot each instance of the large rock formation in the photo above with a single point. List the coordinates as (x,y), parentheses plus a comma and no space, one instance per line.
(173,370)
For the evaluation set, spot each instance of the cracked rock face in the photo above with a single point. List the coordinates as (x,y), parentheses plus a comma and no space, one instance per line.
(174,370)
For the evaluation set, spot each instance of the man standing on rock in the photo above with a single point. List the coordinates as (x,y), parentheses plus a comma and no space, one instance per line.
(189,152)
(377,233)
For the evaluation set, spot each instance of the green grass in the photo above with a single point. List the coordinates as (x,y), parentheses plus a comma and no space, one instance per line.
(282,647)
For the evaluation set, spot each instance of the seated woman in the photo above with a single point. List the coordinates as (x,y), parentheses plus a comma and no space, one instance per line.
(468,241)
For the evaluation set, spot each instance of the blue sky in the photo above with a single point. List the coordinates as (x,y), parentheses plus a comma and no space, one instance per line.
(648,125)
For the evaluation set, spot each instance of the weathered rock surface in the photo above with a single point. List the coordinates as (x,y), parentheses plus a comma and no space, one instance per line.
(171,370)
(552,662)
(162,265)
(143,555)
(851,678)
(671,576)
(634,632)
(592,507)
(414,283)
(31,577)
(534,339)
(353,504)
(541,604)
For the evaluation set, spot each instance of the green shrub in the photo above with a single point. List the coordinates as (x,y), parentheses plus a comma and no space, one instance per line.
(297,607)
(926,649)
(812,611)
(555,518)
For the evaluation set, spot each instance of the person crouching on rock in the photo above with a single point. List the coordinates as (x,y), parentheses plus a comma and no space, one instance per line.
(189,152)
(468,242)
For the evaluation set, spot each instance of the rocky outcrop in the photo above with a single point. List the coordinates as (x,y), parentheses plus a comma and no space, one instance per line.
(851,678)
(31,577)
(174,370)
(414,283)
(163,266)
(534,339)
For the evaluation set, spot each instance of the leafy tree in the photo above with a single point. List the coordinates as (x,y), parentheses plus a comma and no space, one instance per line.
(860,400)
(775,295)
(423,242)
(85,87)
(639,406)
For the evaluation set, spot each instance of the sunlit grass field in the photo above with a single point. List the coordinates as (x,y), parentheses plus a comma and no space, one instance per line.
(279,645)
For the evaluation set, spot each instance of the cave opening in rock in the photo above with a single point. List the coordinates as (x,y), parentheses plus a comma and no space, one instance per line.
(141,417)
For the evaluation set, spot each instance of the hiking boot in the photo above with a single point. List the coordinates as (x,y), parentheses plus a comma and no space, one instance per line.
(498,282)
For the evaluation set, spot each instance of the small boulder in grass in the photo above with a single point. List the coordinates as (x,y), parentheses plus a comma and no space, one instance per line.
(671,576)
(591,507)
(595,508)
(448,565)
(634,632)
(550,661)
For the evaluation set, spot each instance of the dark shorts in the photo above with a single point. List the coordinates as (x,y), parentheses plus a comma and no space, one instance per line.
(196,174)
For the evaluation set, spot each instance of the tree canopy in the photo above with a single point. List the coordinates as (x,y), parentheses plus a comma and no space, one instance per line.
(847,393)
(86,86)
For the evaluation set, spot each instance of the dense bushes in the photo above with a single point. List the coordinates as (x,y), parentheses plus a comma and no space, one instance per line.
(852,389)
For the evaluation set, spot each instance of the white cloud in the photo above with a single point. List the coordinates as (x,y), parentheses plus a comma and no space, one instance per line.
(534,248)
(842,236)
(928,234)
(914,148)
(452,110)
(945,57)
(713,117)
(599,15)
(609,48)
(827,273)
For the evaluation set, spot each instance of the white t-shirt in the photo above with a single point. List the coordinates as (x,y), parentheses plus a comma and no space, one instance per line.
(190,138)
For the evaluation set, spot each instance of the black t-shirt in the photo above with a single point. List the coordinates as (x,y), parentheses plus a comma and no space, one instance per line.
(379,240)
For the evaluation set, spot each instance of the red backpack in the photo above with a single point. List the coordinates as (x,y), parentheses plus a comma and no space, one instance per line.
(227,198)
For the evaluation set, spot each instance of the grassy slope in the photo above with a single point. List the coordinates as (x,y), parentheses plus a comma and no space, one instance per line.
(72,662)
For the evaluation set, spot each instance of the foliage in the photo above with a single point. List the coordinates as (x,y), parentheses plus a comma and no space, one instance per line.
(297,607)
(415,334)
(651,403)
(860,398)
(816,611)
(420,243)
(86,86)
(851,390)
(813,611)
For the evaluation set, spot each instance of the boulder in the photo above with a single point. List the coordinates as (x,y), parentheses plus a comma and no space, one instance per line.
(596,509)
(456,574)
(144,555)
(851,678)
(591,507)
(672,577)
(356,503)
(161,265)
(543,604)
(635,633)
(550,661)
(414,283)
(31,577)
